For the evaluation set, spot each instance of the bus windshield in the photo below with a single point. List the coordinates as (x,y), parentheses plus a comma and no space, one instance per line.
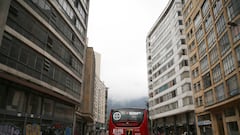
(127,117)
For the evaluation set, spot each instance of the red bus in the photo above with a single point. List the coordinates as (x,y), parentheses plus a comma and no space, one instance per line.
(128,121)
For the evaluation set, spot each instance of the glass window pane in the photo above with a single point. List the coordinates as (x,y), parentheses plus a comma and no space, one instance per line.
(220,95)
(208,97)
(63,112)
(232,85)
(228,64)
(47,107)
(233,128)
(3,96)
(16,100)
(34,104)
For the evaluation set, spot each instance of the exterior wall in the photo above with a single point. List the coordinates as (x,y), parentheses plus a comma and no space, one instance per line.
(88,97)
(42,57)
(100,104)
(170,95)
(213,47)
(98,63)
(4,6)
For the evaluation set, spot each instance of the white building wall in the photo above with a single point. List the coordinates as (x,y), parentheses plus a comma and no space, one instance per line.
(164,37)
(99,101)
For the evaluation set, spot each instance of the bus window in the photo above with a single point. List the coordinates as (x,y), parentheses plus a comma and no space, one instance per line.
(128,121)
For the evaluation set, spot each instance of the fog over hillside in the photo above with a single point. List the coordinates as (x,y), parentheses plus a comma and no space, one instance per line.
(137,103)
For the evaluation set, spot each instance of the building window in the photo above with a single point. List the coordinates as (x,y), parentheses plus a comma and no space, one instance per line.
(47,107)
(181,31)
(190,34)
(236,31)
(230,111)
(224,44)
(204,64)
(3,96)
(63,112)
(232,86)
(197,86)
(208,96)
(199,101)
(233,128)
(34,104)
(193,59)
(221,25)
(183,63)
(187,101)
(208,22)
(186,87)
(228,64)
(16,100)
(211,38)
(217,6)
(185,75)
(199,34)
(49,42)
(180,22)
(195,73)
(67,8)
(179,13)
(238,107)
(80,27)
(188,22)
(197,20)
(213,55)
(219,90)
(183,41)
(13,10)
(191,46)
(238,54)
(233,8)
(207,80)
(202,48)
(205,7)
(217,75)
(81,10)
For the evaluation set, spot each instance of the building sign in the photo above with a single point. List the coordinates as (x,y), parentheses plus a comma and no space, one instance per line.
(204,122)
(9,129)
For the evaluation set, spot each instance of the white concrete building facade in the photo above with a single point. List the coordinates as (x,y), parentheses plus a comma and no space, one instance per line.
(100,99)
(171,107)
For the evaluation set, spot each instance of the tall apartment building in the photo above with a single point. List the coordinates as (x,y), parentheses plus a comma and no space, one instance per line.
(213,33)
(100,100)
(171,105)
(100,105)
(42,60)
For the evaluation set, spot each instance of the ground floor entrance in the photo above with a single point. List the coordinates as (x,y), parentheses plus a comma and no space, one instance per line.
(180,124)
(224,120)
(24,111)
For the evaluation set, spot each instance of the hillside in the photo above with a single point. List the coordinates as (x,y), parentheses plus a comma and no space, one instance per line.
(139,103)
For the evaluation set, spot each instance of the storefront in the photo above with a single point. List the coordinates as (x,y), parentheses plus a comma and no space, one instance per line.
(175,125)
(25,111)
(205,124)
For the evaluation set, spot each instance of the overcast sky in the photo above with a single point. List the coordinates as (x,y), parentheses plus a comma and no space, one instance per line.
(117,29)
